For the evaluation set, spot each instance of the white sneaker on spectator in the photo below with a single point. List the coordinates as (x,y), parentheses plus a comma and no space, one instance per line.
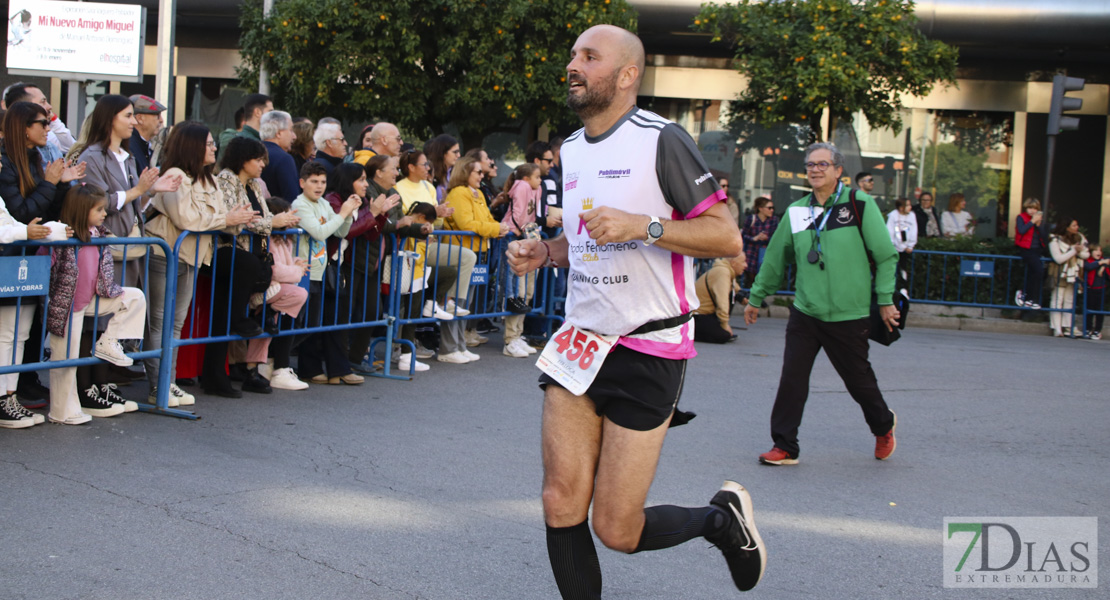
(431,309)
(183,398)
(472,357)
(473,338)
(453,357)
(454,309)
(525,346)
(109,349)
(152,398)
(286,379)
(405,359)
(514,350)
(13,415)
(77,419)
(266,369)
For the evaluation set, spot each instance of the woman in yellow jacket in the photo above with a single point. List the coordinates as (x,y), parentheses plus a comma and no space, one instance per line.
(471,214)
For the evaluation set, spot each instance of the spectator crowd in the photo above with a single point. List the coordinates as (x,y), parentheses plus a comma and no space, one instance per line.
(303,232)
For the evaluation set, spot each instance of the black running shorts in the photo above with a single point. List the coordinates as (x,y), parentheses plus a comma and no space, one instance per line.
(634,390)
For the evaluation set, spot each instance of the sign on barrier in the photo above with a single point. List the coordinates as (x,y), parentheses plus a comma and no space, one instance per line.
(480,275)
(24,276)
(977,268)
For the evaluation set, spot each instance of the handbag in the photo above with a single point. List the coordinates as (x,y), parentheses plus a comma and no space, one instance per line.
(408,267)
(134,251)
(878,331)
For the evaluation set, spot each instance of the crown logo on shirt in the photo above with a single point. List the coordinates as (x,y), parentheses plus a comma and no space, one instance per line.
(587,204)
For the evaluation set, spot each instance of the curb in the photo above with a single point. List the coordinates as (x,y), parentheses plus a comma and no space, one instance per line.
(953,323)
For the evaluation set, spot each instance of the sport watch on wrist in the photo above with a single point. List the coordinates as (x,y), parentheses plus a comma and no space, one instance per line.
(654,231)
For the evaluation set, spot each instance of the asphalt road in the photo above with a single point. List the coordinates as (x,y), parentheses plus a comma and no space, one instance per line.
(430,489)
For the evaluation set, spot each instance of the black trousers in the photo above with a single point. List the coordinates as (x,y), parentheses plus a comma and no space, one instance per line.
(1034,274)
(846,345)
(1096,297)
(707,328)
(233,285)
(365,291)
(325,352)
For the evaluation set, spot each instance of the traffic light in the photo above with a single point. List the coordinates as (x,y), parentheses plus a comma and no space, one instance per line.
(1057,122)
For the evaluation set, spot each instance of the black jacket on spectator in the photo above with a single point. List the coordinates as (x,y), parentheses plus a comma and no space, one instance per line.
(45,201)
(923,220)
(280,174)
(141,150)
(330,163)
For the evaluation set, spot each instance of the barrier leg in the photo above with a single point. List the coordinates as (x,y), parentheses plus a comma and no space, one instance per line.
(168,343)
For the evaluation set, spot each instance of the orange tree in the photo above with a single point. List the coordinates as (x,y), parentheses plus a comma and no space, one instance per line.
(802,56)
(481,65)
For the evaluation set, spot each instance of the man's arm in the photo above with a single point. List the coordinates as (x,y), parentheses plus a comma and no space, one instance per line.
(712,234)
(526,256)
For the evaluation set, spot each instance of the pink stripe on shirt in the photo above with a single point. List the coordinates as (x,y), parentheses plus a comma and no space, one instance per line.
(715,197)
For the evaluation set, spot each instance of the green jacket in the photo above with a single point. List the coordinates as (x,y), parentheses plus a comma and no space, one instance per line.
(842,290)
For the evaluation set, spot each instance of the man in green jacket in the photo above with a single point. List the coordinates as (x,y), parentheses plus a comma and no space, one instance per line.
(821,236)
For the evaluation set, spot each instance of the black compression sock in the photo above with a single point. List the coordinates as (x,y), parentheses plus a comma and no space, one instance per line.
(574,561)
(666,526)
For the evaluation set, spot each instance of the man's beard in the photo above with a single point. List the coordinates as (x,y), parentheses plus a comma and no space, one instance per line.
(596,98)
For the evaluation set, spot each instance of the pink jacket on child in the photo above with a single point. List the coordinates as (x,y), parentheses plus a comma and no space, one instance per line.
(522,206)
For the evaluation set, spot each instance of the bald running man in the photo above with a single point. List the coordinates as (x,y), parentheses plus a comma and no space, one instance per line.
(639,203)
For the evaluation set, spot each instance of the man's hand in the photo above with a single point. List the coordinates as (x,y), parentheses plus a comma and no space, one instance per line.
(751,314)
(890,316)
(526,256)
(608,225)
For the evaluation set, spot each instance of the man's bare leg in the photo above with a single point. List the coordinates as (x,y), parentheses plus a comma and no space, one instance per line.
(571,444)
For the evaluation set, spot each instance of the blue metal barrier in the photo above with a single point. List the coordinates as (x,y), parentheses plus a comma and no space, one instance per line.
(55,362)
(346,279)
(972,280)
(480,296)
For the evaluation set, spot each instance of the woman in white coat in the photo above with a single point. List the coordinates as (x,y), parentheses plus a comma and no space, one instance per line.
(1068,248)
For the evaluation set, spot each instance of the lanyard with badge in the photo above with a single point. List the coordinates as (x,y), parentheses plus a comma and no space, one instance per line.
(814,256)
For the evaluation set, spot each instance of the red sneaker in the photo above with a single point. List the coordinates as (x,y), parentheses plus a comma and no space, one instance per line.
(885,444)
(777,456)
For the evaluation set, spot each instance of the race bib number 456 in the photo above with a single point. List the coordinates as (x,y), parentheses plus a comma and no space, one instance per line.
(574,356)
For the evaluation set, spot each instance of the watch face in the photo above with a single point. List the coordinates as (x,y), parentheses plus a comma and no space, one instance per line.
(655,230)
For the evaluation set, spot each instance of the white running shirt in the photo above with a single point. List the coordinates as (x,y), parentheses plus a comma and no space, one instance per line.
(646,165)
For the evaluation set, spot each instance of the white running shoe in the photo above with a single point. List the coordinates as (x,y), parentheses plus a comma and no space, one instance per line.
(454,309)
(405,359)
(457,358)
(525,346)
(514,350)
(431,309)
(472,357)
(109,349)
(286,379)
